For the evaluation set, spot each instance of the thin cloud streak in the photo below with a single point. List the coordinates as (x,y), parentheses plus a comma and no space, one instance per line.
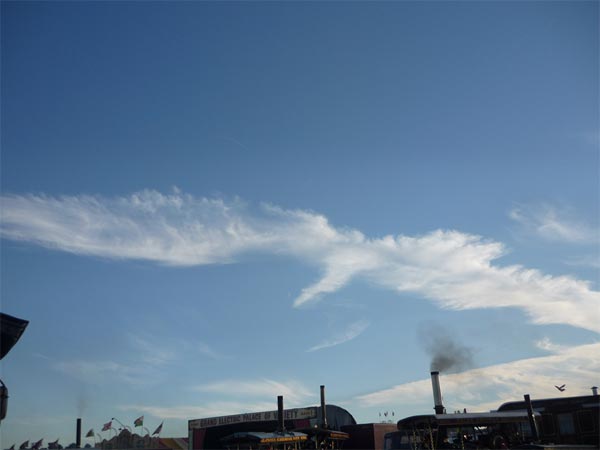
(108,372)
(164,351)
(482,389)
(257,395)
(453,269)
(553,224)
(294,392)
(592,261)
(186,412)
(206,350)
(351,332)
(486,388)
(150,352)
(148,365)
(547,345)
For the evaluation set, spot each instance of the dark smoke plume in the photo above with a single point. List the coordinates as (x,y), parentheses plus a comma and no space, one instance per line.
(447,354)
(82,404)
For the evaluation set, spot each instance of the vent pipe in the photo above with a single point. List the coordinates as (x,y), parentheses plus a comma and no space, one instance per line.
(323,408)
(280,423)
(437,393)
(594,390)
(532,422)
(78,434)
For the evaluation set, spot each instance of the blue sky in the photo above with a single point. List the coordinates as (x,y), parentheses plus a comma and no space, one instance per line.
(206,205)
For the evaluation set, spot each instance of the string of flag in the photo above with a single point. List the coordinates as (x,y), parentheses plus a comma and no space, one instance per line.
(139,422)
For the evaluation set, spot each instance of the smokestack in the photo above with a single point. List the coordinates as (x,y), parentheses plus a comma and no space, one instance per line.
(78,435)
(532,423)
(280,424)
(323,409)
(437,393)
(594,390)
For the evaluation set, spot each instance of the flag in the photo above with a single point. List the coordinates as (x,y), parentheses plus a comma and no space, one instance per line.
(24,445)
(158,429)
(138,422)
(107,426)
(37,445)
(90,433)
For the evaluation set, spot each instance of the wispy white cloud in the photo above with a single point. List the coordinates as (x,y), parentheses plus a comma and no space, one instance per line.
(294,392)
(239,396)
(208,409)
(554,224)
(349,333)
(106,372)
(167,350)
(151,352)
(549,346)
(486,388)
(592,261)
(453,269)
(480,389)
(206,350)
(147,364)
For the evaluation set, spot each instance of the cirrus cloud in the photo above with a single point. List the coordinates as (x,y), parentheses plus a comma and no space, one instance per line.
(554,224)
(486,388)
(350,332)
(456,270)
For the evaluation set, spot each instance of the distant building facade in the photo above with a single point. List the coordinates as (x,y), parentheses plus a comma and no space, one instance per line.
(207,433)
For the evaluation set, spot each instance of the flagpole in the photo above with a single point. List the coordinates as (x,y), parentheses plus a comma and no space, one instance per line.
(158,429)
(120,423)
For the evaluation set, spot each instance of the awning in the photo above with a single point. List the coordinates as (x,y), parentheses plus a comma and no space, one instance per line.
(11,329)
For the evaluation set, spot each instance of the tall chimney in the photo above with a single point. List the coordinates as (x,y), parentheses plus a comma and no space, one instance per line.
(437,393)
(323,409)
(280,423)
(78,435)
(532,423)
(594,390)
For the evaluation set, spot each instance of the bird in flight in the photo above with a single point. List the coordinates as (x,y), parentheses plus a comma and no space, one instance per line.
(561,388)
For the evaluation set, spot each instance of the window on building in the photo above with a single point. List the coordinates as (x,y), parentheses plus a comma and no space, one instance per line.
(586,421)
(548,424)
(566,424)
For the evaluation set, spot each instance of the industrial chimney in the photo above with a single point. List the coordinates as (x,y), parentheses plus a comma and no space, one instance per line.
(437,393)
(594,390)
(280,423)
(532,422)
(78,434)
(323,409)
